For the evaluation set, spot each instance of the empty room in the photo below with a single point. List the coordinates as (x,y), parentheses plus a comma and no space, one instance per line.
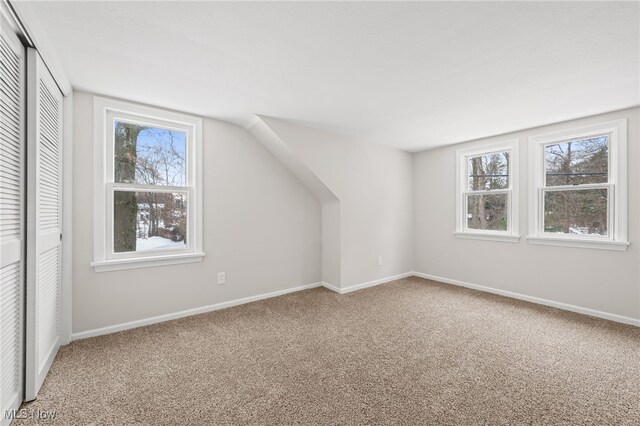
(319,213)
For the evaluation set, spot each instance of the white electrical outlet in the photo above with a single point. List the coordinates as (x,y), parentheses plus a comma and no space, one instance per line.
(379,260)
(222,278)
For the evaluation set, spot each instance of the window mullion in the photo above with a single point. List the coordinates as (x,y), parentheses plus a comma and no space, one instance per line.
(134,187)
(577,187)
(488,191)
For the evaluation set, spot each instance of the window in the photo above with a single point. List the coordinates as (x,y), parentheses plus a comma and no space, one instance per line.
(578,187)
(487,198)
(148,202)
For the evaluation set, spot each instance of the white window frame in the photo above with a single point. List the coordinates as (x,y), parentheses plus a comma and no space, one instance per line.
(617,187)
(513,228)
(106,111)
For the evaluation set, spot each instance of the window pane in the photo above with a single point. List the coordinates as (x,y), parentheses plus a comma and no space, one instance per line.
(579,212)
(487,211)
(490,171)
(577,162)
(149,155)
(149,221)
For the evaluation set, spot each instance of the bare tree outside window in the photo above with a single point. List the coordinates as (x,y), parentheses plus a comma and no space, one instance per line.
(576,194)
(487,199)
(156,217)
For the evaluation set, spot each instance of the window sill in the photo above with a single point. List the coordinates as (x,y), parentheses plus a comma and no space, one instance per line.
(579,243)
(145,262)
(506,238)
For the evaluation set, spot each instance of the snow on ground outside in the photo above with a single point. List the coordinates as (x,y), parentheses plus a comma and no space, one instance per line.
(153,243)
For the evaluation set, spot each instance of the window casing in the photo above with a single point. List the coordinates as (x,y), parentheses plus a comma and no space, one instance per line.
(487,192)
(148,186)
(578,192)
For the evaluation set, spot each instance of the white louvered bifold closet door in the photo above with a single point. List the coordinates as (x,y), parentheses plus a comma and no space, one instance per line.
(44,221)
(12,174)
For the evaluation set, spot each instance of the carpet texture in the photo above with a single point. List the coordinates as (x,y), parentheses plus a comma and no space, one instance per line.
(408,352)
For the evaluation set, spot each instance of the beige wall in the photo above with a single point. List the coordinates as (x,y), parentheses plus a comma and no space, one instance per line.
(261,226)
(601,280)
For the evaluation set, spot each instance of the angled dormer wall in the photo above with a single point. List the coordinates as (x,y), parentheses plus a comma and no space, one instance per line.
(331,272)
(373,186)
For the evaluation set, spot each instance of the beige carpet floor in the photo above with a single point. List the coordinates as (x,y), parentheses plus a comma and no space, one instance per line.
(408,352)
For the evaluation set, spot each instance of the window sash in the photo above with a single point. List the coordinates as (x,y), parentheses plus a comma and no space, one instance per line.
(104,112)
(133,118)
(543,146)
(466,192)
(111,186)
(617,238)
(465,211)
(463,191)
(112,254)
(609,185)
(466,159)
(567,188)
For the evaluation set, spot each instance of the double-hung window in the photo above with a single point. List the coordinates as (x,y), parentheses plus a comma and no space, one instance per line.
(148,202)
(487,192)
(578,187)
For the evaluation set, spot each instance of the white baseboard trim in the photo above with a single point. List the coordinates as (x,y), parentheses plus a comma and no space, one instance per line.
(539,301)
(181,314)
(360,286)
(331,287)
(349,289)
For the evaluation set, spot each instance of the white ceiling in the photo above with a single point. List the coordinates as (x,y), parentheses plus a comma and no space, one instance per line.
(411,75)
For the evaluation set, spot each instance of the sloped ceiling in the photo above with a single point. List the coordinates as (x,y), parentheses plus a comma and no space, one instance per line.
(411,75)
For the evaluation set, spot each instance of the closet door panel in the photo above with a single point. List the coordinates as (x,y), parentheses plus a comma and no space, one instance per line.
(44,222)
(12,177)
